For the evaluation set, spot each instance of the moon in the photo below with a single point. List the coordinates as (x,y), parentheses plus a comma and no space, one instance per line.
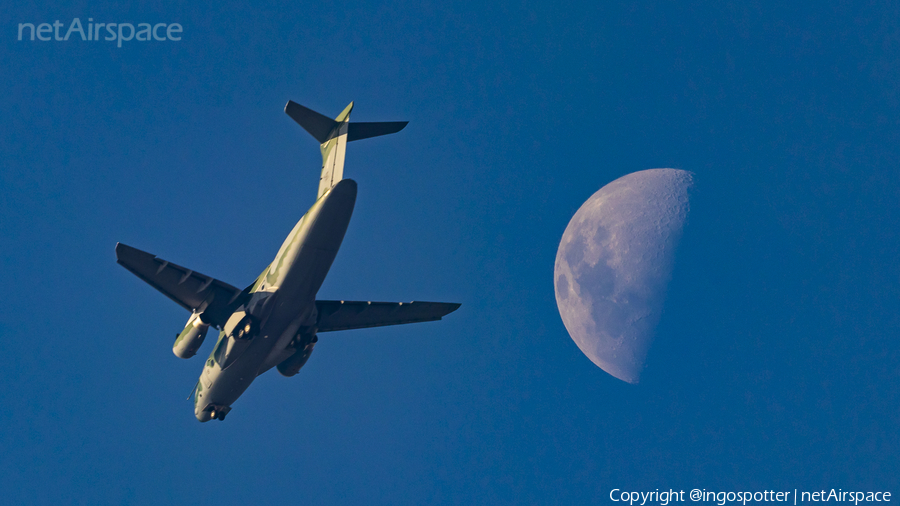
(614,263)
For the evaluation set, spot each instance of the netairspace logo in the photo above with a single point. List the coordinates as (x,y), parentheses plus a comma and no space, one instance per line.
(113,31)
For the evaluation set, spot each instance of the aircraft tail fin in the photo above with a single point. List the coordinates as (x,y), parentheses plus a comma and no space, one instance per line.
(318,125)
(333,136)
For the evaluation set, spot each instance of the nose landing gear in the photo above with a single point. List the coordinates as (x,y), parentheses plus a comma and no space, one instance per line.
(218,412)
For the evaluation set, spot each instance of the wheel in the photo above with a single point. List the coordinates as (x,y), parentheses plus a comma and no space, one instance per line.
(246,328)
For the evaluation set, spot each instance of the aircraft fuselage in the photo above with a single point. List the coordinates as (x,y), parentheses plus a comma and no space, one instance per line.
(278,321)
(274,322)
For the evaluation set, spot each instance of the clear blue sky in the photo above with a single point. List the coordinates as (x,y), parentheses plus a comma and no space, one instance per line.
(776,360)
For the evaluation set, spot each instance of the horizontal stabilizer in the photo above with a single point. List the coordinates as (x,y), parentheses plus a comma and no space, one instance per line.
(191,290)
(359,131)
(318,125)
(324,128)
(346,315)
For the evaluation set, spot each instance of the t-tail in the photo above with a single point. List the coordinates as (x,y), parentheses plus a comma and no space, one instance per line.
(333,135)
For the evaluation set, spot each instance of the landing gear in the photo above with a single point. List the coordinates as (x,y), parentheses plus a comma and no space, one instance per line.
(246,328)
(217,412)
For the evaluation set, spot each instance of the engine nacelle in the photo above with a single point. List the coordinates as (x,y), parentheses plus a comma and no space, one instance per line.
(189,340)
(292,364)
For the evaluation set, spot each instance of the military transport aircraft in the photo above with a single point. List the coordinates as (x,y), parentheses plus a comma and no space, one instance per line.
(274,322)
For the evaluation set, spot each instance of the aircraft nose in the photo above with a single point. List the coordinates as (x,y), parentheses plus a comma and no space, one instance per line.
(203,416)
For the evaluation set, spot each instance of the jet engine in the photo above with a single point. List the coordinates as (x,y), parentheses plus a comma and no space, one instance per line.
(189,340)
(292,364)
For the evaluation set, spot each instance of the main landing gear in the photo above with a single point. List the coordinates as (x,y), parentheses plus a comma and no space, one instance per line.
(246,328)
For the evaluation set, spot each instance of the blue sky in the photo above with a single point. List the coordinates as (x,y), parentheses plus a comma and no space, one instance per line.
(775,365)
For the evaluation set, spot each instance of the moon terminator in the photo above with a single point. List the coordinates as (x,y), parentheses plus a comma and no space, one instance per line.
(614,262)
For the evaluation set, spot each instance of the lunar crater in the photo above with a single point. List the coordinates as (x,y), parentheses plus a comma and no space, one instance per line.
(613,265)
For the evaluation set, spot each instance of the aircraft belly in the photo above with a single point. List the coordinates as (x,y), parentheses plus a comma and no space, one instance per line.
(224,386)
(292,281)
(309,250)
(229,383)
(300,312)
(306,275)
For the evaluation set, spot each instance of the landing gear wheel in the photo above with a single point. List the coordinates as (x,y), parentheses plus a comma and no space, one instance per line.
(246,328)
(218,412)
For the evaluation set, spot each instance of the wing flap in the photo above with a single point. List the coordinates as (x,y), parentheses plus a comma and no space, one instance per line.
(346,315)
(190,289)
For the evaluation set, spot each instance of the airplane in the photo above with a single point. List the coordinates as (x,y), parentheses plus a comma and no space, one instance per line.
(275,321)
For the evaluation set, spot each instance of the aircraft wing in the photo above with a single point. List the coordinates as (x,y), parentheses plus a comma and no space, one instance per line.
(191,290)
(346,315)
